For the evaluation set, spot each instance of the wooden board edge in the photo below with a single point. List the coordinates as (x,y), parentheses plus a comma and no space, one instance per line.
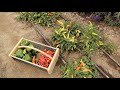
(41,44)
(53,62)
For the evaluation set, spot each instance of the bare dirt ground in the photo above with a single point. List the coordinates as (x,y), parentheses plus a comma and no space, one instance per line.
(10,33)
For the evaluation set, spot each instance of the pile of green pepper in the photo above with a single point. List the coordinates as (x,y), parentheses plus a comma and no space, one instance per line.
(26,53)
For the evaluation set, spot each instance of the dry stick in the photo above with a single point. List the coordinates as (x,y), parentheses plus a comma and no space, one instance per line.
(111,57)
(39,31)
(63,18)
(36,50)
(101,71)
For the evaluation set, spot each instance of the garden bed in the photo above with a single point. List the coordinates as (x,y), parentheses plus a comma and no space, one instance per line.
(112,34)
(74,55)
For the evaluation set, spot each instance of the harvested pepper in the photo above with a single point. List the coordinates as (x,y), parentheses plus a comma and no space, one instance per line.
(33,59)
(44,60)
(27,57)
(25,43)
(19,53)
(24,51)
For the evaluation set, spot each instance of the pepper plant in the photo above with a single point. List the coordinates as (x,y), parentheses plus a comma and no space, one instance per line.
(70,36)
(90,39)
(80,68)
(42,18)
(66,36)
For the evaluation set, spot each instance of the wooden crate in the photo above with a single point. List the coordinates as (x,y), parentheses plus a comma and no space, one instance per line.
(38,46)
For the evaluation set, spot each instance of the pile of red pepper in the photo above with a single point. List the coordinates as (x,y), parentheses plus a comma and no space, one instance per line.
(44,60)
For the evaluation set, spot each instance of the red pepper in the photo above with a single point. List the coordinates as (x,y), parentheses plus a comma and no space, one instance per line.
(44,60)
(44,50)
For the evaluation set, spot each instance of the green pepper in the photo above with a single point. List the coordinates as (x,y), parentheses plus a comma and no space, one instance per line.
(19,53)
(29,49)
(36,60)
(24,51)
(27,57)
(25,43)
